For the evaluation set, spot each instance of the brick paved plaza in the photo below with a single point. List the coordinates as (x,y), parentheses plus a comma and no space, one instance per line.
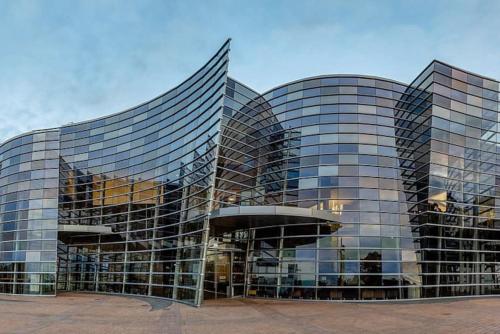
(86,313)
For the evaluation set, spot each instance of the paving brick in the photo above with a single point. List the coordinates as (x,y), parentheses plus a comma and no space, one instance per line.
(89,313)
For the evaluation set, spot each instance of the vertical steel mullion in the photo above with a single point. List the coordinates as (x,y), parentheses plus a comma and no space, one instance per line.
(203,260)
(101,209)
(153,243)
(98,262)
(287,155)
(177,260)
(250,238)
(280,260)
(68,270)
(14,286)
(231,263)
(316,274)
(129,216)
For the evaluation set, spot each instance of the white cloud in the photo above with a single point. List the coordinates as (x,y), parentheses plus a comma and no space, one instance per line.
(72,61)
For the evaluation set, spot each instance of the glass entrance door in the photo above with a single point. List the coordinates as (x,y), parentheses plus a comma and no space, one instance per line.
(224,274)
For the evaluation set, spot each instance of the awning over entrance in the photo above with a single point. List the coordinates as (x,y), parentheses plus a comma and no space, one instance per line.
(256,216)
(84,233)
(84,229)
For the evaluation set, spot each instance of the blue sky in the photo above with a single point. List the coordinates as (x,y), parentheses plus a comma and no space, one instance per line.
(64,61)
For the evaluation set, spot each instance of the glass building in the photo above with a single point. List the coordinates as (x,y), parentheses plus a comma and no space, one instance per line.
(337,187)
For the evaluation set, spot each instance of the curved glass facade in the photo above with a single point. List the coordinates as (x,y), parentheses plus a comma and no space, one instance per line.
(28,196)
(147,173)
(333,187)
(328,143)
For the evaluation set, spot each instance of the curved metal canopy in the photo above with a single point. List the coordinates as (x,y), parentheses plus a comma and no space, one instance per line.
(255,216)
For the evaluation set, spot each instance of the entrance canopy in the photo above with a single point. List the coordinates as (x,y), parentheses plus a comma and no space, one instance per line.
(257,216)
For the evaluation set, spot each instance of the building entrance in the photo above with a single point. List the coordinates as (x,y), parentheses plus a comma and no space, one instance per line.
(225,268)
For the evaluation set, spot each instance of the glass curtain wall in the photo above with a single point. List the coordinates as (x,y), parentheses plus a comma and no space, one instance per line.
(330,145)
(147,173)
(128,203)
(449,141)
(29,171)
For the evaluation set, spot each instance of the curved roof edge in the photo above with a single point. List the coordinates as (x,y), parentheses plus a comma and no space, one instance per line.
(323,76)
(31,132)
(224,45)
